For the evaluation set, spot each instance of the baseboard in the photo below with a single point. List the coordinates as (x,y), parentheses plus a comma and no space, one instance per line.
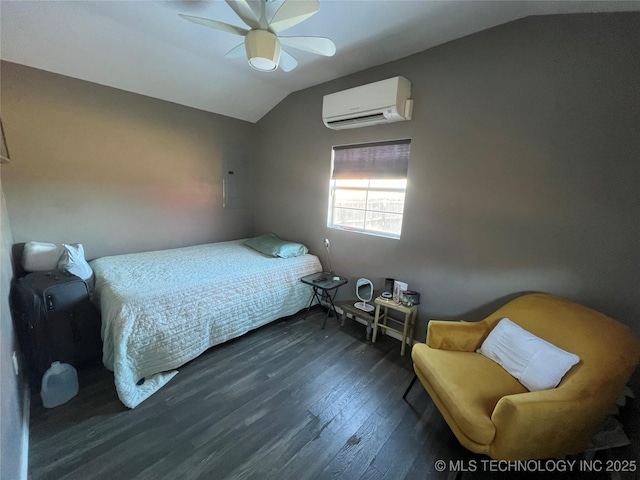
(26,412)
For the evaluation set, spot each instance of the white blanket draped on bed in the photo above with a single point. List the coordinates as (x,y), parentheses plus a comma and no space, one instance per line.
(161,309)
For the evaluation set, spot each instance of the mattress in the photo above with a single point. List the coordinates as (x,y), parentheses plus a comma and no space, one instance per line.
(162,309)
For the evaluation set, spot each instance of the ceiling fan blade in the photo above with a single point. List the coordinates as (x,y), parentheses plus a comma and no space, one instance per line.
(287,62)
(237,51)
(249,11)
(225,27)
(318,45)
(292,12)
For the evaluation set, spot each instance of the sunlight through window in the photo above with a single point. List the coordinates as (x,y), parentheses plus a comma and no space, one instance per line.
(368,186)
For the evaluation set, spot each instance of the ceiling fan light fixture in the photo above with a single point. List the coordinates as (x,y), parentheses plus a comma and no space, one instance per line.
(261,42)
(263,50)
(263,64)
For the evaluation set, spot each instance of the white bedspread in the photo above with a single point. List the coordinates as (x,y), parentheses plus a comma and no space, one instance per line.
(161,309)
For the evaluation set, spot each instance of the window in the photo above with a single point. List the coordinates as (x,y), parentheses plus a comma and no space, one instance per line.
(368,184)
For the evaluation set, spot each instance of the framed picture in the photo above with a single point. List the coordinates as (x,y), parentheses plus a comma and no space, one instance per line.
(398,289)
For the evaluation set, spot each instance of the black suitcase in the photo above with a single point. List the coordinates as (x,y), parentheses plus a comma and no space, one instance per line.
(56,322)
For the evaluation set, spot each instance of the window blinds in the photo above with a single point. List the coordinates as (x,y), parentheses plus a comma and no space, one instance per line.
(372,160)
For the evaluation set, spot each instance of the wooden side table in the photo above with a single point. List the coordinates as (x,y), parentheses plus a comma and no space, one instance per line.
(360,316)
(408,325)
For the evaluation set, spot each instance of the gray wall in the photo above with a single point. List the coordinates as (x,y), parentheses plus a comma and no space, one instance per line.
(11,389)
(116,171)
(523,176)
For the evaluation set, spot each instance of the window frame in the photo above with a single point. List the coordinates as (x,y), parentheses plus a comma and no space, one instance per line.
(334,186)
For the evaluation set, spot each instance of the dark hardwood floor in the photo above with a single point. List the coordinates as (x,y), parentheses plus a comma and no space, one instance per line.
(287,401)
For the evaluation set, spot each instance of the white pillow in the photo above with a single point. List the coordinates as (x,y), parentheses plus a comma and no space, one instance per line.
(72,260)
(40,256)
(536,363)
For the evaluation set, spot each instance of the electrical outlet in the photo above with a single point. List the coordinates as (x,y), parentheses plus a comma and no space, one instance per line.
(16,367)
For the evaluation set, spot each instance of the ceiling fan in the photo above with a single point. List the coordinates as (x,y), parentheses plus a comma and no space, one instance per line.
(262,45)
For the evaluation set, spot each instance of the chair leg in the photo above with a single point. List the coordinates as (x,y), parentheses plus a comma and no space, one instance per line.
(406,392)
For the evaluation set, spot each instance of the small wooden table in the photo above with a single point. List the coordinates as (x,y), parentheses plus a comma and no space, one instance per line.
(360,316)
(408,326)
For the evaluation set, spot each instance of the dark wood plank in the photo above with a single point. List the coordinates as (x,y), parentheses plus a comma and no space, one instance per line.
(287,401)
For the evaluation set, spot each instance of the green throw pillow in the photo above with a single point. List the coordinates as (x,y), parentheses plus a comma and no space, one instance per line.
(273,246)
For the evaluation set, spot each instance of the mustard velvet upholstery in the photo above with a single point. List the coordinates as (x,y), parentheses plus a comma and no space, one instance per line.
(491,413)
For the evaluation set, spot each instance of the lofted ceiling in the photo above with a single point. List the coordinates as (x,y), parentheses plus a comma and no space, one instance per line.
(146,48)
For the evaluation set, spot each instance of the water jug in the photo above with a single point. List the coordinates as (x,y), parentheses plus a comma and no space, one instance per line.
(59,384)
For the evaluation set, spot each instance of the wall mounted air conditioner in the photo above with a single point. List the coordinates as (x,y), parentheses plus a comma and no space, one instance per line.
(385,101)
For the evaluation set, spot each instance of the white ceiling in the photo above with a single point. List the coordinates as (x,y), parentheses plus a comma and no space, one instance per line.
(145,47)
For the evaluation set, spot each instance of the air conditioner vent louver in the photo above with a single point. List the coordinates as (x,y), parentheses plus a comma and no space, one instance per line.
(385,101)
(360,119)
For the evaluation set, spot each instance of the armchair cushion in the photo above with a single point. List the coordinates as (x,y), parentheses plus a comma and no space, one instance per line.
(538,364)
(458,336)
(470,391)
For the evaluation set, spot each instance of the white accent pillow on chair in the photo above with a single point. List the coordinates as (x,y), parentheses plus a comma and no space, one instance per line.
(536,363)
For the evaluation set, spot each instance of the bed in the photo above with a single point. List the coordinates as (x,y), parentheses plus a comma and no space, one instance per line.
(162,309)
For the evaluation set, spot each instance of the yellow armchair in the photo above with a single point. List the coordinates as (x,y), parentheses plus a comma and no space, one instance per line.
(492,413)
